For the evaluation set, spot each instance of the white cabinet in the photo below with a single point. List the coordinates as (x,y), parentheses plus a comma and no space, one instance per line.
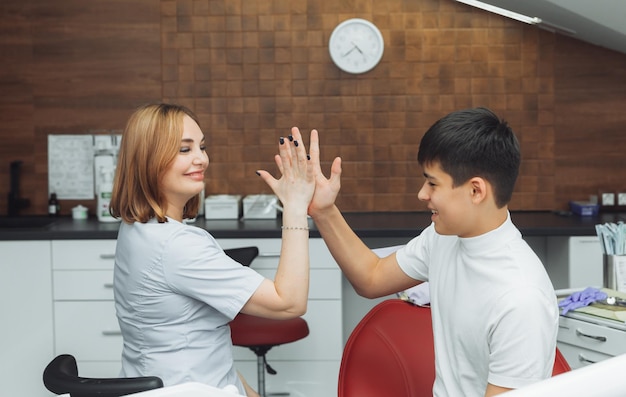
(574,262)
(26,344)
(585,339)
(85,324)
(308,367)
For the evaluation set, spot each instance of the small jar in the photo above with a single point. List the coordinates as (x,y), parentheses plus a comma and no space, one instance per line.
(79,212)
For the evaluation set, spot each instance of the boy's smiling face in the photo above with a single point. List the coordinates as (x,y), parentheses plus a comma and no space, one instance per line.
(452,207)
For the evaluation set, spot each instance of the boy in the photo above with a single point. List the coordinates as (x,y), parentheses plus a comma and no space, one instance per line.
(494,310)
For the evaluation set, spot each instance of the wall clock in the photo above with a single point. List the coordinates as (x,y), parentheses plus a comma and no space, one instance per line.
(356,46)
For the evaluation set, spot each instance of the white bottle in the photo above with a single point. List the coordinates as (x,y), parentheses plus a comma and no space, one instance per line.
(104,191)
(103,159)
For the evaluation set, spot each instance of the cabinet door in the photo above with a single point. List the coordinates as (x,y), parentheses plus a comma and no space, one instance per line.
(308,367)
(574,261)
(585,262)
(26,342)
(88,330)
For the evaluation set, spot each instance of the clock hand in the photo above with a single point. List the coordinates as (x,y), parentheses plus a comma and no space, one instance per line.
(357,47)
(349,51)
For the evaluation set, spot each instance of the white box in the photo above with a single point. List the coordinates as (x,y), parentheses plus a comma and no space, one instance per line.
(222,206)
(260,206)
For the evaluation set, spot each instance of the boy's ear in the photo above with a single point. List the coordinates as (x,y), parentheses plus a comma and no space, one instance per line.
(478,189)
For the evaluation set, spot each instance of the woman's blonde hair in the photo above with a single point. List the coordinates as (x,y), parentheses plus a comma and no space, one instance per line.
(150,143)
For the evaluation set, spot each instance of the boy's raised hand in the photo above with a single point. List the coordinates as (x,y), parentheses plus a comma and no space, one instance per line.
(326,189)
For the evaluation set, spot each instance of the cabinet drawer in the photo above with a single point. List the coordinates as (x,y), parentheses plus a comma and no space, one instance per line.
(323,283)
(87,330)
(83,284)
(592,336)
(83,254)
(269,252)
(577,356)
(98,284)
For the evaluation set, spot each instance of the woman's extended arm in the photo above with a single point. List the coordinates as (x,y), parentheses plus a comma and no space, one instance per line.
(286,296)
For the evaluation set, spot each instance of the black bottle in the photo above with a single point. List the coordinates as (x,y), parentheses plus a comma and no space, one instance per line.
(53,205)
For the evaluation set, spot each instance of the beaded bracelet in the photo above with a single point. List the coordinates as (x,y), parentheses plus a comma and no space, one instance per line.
(294,228)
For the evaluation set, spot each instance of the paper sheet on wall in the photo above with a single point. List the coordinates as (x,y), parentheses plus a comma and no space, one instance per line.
(70,166)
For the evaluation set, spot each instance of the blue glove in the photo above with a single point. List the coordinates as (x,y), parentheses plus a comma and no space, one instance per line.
(581,299)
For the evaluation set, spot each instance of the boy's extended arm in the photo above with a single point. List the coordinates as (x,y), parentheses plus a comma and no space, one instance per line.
(370,275)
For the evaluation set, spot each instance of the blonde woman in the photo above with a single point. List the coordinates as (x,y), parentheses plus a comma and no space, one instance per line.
(175,289)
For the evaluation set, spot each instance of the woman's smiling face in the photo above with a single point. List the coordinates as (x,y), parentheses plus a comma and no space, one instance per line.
(185,177)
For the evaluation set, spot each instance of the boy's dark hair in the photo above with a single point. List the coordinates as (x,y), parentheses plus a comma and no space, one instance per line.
(474,142)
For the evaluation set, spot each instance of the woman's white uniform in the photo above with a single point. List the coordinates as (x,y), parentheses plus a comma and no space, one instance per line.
(175,293)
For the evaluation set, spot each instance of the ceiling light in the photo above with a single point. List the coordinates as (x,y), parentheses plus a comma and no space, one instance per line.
(554,28)
(502,11)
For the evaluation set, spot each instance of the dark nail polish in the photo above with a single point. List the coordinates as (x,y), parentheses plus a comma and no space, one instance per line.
(281,140)
(258,173)
(290,138)
(308,157)
(295,143)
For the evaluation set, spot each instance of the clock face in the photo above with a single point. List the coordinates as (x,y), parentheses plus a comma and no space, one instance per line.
(356,45)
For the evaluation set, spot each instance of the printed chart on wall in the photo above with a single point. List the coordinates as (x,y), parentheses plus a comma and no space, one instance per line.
(70,166)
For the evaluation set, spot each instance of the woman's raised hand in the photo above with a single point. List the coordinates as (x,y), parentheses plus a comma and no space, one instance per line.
(297,182)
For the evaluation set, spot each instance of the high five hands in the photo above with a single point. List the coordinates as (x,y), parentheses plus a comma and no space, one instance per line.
(301,178)
(326,189)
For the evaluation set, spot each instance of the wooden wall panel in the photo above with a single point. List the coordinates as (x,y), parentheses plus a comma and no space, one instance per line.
(590,157)
(252,72)
(76,67)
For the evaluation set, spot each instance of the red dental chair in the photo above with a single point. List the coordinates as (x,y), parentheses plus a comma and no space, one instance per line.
(378,361)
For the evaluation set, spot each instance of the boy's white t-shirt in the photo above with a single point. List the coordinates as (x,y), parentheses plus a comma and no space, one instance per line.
(175,293)
(494,309)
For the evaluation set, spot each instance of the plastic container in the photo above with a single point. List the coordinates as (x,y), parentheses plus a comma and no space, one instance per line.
(260,206)
(79,212)
(104,191)
(613,270)
(104,158)
(222,206)
(584,208)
